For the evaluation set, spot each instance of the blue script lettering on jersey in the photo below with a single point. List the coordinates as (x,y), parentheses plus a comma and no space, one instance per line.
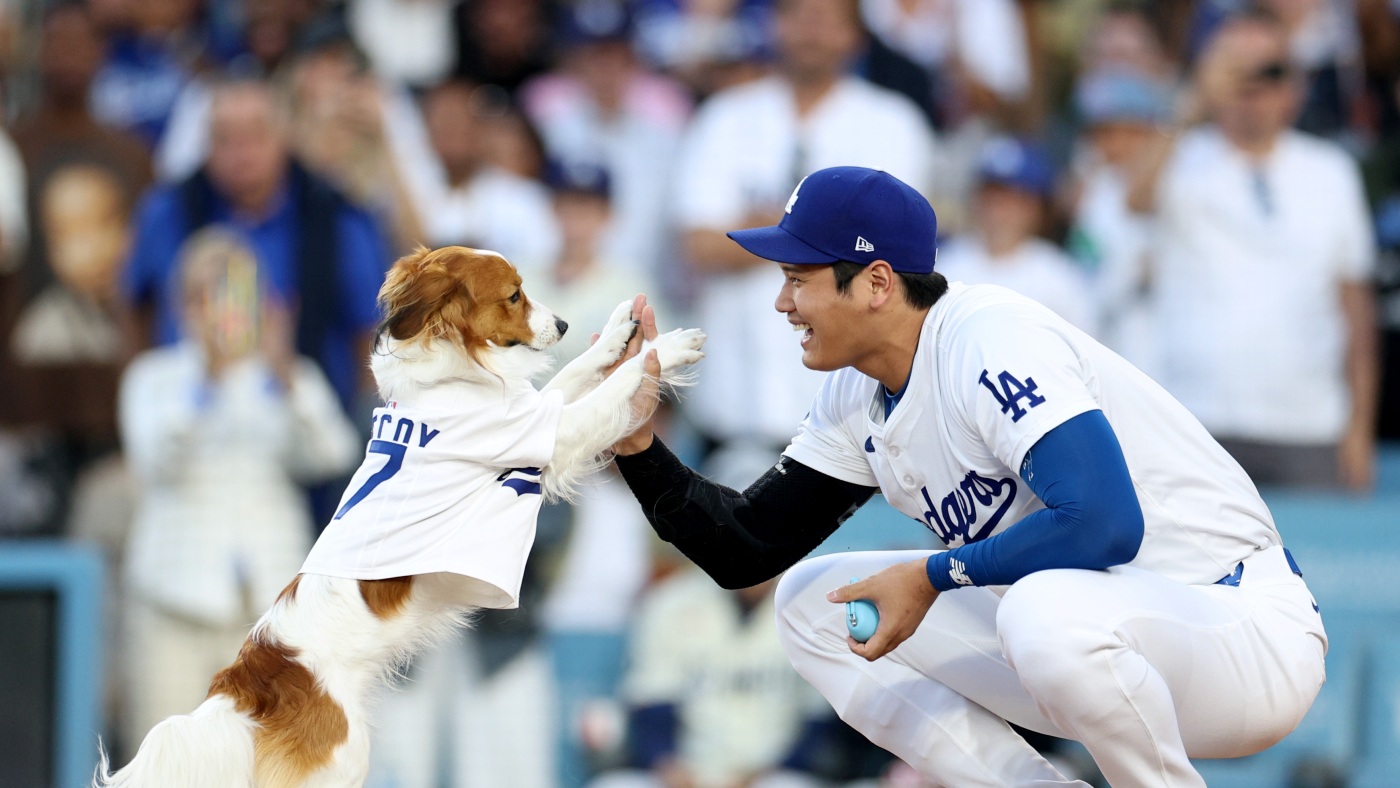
(1012,391)
(525,481)
(960,510)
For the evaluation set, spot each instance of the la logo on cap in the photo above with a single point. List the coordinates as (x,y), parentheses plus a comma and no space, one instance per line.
(793,199)
(863,245)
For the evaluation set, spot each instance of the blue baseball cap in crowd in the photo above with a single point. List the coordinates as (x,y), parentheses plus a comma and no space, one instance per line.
(851,214)
(595,22)
(1122,96)
(577,177)
(1009,161)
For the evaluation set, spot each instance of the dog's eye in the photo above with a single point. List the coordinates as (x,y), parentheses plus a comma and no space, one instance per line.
(515,297)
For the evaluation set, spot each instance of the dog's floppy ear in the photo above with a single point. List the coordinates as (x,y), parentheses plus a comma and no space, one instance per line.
(428,295)
(413,291)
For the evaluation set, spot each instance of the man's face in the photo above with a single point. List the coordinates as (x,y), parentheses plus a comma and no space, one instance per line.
(1265,90)
(816,38)
(450,116)
(823,317)
(70,53)
(1007,214)
(247,143)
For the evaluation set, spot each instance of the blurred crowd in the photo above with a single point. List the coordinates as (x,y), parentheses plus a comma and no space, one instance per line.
(199,198)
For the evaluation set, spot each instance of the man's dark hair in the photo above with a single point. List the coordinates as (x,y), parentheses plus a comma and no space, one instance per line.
(921,291)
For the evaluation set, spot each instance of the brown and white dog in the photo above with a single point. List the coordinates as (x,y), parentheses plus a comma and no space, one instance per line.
(294,708)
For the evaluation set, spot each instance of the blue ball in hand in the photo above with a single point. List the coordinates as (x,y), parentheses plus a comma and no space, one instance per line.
(861,618)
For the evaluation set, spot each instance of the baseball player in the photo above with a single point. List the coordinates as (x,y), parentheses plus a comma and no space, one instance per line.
(1111,574)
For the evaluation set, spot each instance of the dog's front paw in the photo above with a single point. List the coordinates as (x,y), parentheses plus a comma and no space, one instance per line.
(620,316)
(677,349)
(612,342)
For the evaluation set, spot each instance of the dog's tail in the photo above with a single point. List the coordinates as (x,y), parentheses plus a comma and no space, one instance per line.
(212,746)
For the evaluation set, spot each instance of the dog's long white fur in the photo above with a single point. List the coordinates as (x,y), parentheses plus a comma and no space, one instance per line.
(352,653)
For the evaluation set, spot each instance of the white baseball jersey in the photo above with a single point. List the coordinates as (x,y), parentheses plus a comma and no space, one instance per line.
(450,483)
(993,373)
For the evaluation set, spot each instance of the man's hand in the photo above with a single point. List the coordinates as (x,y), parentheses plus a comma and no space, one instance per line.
(645,400)
(902,594)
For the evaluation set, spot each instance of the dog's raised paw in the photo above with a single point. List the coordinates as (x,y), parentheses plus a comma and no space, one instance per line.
(613,341)
(620,316)
(678,348)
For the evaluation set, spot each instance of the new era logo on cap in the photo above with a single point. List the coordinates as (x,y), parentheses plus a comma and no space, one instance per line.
(888,219)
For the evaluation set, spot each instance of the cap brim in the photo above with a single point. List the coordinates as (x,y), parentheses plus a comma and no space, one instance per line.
(779,245)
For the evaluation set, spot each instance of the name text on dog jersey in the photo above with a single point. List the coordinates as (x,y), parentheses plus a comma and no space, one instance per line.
(953,517)
(403,430)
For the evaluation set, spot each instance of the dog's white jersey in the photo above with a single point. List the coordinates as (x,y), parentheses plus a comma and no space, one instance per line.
(450,483)
(993,373)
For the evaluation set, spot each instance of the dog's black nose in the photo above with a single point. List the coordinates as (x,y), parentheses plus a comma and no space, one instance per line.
(561,325)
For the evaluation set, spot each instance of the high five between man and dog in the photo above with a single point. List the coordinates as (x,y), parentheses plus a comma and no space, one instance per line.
(1111,574)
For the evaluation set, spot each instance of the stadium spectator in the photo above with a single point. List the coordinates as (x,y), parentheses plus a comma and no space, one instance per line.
(219,428)
(1119,110)
(146,67)
(509,140)
(1124,39)
(60,128)
(83,213)
(1015,184)
(742,158)
(408,42)
(707,45)
(975,50)
(462,197)
(1324,49)
(602,106)
(270,30)
(1264,261)
(61,344)
(340,119)
(502,42)
(320,253)
(712,699)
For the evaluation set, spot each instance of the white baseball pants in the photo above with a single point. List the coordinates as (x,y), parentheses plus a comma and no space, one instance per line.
(1142,670)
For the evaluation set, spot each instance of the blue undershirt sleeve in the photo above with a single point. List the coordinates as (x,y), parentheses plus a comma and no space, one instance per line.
(1091,520)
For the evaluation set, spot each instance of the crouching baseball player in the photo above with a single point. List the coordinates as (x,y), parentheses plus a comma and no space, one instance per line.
(1112,575)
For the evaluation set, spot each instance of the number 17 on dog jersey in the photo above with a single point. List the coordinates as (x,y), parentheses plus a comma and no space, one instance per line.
(449,483)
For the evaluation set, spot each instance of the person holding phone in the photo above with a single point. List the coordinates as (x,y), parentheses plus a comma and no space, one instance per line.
(219,429)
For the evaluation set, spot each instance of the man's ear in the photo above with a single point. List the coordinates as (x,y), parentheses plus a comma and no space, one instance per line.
(883,283)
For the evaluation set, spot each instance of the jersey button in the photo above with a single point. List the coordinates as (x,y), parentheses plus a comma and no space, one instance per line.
(894,451)
(909,480)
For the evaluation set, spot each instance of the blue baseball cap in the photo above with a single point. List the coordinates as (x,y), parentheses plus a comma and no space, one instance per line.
(1016,163)
(1122,96)
(851,214)
(578,177)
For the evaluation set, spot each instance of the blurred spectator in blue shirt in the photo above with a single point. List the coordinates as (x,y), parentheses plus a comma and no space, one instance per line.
(322,253)
(147,66)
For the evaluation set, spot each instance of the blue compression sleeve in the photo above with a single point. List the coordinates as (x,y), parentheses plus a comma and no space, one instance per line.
(1091,519)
